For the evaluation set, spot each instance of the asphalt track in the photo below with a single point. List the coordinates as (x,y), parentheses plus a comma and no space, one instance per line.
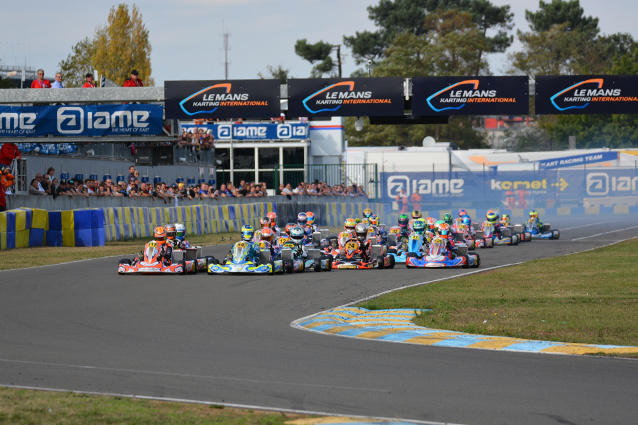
(228,339)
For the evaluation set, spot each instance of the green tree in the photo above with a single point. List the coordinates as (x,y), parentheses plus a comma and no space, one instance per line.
(279,72)
(560,12)
(319,55)
(114,50)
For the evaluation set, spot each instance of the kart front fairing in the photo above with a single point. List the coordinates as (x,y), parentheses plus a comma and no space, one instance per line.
(152,263)
(437,257)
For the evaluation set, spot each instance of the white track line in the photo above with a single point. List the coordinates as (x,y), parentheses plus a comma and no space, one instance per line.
(605,233)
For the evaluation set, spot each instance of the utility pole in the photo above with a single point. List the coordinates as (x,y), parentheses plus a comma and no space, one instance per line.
(226,48)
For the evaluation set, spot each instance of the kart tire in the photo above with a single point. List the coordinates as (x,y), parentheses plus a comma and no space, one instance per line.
(209,261)
(329,264)
(478,261)
(289,266)
(380,262)
(555,234)
(183,264)
(528,237)
(272,267)
(515,240)
(489,244)
(124,261)
(467,262)
(411,254)
(392,262)
(195,266)
(392,251)
(317,265)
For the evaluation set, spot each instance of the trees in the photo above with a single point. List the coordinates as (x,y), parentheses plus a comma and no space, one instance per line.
(115,49)
(318,54)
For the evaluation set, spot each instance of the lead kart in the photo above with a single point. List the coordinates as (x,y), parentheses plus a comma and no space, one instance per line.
(414,246)
(439,256)
(488,231)
(150,262)
(353,258)
(245,259)
(544,232)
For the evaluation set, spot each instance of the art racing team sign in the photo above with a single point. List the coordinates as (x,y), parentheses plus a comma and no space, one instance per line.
(470,96)
(578,94)
(345,97)
(75,120)
(222,99)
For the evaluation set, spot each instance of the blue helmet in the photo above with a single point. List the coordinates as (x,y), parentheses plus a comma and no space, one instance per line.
(302,218)
(466,220)
(247,232)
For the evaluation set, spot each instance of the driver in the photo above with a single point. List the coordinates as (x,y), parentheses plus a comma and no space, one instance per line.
(539,224)
(165,249)
(444,232)
(311,222)
(361,231)
(493,217)
(273,223)
(297,235)
(180,235)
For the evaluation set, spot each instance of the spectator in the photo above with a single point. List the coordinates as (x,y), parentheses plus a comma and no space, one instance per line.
(39,178)
(53,189)
(33,188)
(402,201)
(57,84)
(63,189)
(134,81)
(131,174)
(6,181)
(51,173)
(89,81)
(264,189)
(46,184)
(41,82)
(8,152)
(415,198)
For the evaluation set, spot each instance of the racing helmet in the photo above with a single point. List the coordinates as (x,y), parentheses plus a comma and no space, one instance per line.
(367,213)
(311,217)
(289,227)
(419,226)
(160,234)
(492,216)
(374,220)
(403,220)
(430,223)
(362,231)
(297,233)
(170,231)
(447,217)
(267,234)
(264,222)
(533,214)
(505,218)
(273,218)
(366,222)
(437,224)
(416,214)
(466,220)
(180,231)
(302,219)
(349,224)
(247,232)
(462,212)
(444,230)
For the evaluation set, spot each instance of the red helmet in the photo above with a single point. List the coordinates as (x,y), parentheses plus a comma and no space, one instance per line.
(264,222)
(267,234)
(273,218)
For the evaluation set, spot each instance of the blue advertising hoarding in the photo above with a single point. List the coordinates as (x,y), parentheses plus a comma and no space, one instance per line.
(570,161)
(78,120)
(265,131)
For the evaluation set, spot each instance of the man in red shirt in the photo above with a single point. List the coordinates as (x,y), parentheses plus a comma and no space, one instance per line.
(8,152)
(41,83)
(89,81)
(134,81)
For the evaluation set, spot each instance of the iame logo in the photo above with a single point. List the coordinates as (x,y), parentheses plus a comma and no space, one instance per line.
(74,120)
(435,187)
(331,98)
(287,131)
(225,131)
(601,184)
(17,121)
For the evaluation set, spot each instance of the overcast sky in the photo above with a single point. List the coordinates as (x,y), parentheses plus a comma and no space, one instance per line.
(187,36)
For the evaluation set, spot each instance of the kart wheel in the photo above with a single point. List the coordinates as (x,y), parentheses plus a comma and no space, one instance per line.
(555,234)
(528,237)
(515,240)
(272,267)
(124,261)
(392,251)
(380,262)
(317,266)
(195,267)
(329,264)
(467,262)
(288,266)
(392,262)
(489,242)
(411,254)
(478,261)
(183,264)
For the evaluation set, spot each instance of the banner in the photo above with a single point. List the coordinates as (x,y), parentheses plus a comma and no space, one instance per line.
(470,96)
(266,131)
(47,148)
(76,120)
(222,99)
(570,161)
(327,97)
(579,94)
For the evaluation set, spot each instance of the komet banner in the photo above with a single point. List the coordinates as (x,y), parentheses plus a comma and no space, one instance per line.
(470,96)
(79,120)
(327,97)
(265,131)
(580,94)
(222,99)
(570,161)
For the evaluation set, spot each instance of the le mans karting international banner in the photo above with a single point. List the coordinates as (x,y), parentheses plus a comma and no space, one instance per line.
(579,94)
(354,97)
(92,120)
(187,100)
(470,96)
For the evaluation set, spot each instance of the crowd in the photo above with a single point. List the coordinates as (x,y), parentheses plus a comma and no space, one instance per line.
(42,83)
(319,188)
(199,140)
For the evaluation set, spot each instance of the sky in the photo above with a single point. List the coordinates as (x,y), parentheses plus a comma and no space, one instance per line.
(187,36)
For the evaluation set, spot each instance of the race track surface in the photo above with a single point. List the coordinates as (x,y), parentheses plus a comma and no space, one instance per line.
(228,339)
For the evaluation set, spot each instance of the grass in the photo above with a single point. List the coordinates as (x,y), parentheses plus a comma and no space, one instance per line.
(57,408)
(590,297)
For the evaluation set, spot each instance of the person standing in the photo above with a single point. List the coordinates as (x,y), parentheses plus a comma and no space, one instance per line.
(402,201)
(134,81)
(40,82)
(89,81)
(416,199)
(57,84)
(8,152)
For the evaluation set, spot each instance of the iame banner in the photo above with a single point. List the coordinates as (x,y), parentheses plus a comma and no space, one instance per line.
(222,99)
(265,131)
(327,97)
(470,96)
(580,94)
(78,120)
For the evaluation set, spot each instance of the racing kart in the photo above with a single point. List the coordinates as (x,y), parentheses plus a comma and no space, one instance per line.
(543,233)
(244,260)
(438,256)
(463,237)
(489,232)
(297,260)
(151,262)
(354,259)
(415,247)
(193,253)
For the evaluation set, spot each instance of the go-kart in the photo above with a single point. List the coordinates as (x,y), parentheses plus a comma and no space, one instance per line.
(488,231)
(245,259)
(298,260)
(415,246)
(463,237)
(543,233)
(152,263)
(354,259)
(439,256)
(194,253)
